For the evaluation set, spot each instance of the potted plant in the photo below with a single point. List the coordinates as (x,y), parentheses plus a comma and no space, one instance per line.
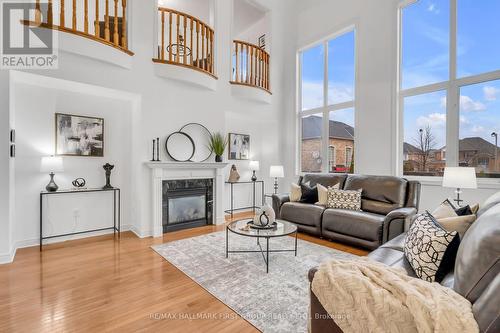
(217,144)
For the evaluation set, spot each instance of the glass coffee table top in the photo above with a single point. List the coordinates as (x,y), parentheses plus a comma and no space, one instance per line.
(283,228)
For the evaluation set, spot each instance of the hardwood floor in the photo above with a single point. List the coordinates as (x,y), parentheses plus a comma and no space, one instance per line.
(103,284)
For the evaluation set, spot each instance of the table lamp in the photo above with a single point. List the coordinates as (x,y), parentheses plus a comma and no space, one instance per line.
(276,171)
(51,164)
(458,178)
(254,166)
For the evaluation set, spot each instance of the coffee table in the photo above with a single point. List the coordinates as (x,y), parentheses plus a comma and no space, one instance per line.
(283,228)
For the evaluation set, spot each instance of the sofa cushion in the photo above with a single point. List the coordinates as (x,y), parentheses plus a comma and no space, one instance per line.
(478,258)
(302,213)
(343,199)
(325,179)
(381,194)
(492,201)
(359,224)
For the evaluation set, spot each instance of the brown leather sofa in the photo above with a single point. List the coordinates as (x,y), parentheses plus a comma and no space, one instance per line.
(387,202)
(476,275)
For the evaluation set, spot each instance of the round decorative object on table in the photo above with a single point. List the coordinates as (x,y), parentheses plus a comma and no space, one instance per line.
(252,225)
(180,147)
(79,183)
(201,138)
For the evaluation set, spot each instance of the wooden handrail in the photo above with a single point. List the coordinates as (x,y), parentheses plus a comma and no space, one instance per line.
(251,66)
(185,40)
(109,30)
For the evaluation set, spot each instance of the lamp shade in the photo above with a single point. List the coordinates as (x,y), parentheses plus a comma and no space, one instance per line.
(254,165)
(459,177)
(51,164)
(276,171)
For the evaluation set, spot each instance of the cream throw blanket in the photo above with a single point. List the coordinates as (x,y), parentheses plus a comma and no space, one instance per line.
(366,296)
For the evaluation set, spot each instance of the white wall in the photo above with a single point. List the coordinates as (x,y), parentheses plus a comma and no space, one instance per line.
(35,130)
(200,9)
(5,234)
(164,106)
(376,132)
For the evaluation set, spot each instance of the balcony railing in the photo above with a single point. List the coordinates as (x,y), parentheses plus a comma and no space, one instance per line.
(185,41)
(104,21)
(250,66)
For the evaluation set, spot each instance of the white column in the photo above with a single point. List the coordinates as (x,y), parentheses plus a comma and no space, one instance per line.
(157,195)
(219,196)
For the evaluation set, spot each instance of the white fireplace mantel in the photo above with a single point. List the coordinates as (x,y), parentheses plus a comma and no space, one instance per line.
(185,170)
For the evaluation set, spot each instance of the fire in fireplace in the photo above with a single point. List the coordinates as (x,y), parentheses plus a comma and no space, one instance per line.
(187,203)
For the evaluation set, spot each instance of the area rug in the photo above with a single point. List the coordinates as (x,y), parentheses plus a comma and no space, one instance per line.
(273,302)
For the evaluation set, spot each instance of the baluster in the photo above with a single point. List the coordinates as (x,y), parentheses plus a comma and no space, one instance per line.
(74,16)
(242,61)
(106,23)
(185,39)
(251,65)
(209,56)
(97,28)
(124,24)
(50,14)
(267,71)
(38,13)
(163,35)
(116,37)
(203,46)
(212,56)
(237,62)
(177,40)
(169,36)
(191,40)
(197,44)
(61,15)
(264,70)
(86,17)
(247,64)
(260,68)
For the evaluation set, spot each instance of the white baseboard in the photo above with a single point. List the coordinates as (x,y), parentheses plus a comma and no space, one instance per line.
(7,258)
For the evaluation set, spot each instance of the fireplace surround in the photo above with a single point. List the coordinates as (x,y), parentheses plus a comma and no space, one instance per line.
(161,171)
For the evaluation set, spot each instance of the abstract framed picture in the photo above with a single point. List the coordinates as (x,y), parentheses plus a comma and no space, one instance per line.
(79,135)
(239,146)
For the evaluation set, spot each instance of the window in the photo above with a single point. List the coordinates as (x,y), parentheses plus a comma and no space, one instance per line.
(444,86)
(327,76)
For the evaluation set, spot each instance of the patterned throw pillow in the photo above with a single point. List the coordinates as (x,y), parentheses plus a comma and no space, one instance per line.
(323,194)
(430,249)
(344,199)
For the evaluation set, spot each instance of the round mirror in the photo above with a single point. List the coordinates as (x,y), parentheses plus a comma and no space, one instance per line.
(201,138)
(180,147)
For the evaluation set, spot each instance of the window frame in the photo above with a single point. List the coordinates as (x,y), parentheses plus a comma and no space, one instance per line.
(452,88)
(326,108)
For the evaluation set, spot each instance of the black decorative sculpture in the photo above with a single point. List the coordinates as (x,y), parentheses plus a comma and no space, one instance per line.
(108,167)
(79,183)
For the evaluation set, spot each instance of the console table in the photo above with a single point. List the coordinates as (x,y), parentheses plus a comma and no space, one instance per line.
(116,211)
(253,207)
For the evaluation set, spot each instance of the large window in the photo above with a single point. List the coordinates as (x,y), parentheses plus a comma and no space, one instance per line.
(449,85)
(326,115)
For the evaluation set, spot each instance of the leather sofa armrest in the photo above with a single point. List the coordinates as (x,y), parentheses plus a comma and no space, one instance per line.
(278,201)
(401,217)
(311,273)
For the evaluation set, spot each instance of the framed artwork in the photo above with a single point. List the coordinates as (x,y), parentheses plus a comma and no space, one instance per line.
(79,135)
(239,146)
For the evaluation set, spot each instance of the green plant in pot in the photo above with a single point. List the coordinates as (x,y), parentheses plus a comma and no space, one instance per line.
(217,144)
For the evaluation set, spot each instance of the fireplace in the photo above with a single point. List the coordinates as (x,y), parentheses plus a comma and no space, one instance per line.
(187,203)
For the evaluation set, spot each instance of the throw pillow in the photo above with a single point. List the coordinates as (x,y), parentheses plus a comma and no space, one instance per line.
(430,249)
(459,224)
(344,199)
(444,210)
(295,193)
(323,194)
(309,194)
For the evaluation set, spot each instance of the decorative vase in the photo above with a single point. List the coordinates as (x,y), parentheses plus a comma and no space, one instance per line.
(264,216)
(52,186)
(234,176)
(218,158)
